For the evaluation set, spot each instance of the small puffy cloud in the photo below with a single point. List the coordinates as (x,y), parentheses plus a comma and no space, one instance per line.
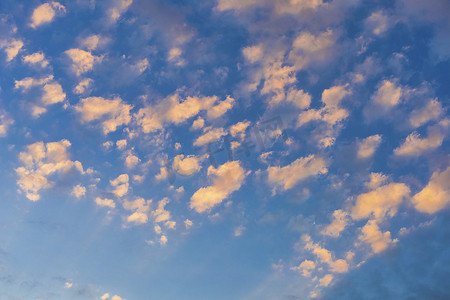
(432,111)
(372,235)
(160,213)
(326,280)
(188,223)
(210,136)
(239,230)
(105,296)
(119,7)
(11,48)
(163,240)
(226,179)
(52,93)
(340,221)
(79,191)
(325,256)
(105,202)
(92,42)
(37,58)
(186,166)
(115,297)
(121,144)
(302,168)
(381,202)
(5,123)
(223,5)
(45,13)
(175,110)
(388,94)
(436,195)
(68,285)
(82,61)
(414,145)
(83,86)
(112,113)
(253,53)
(40,161)
(299,98)
(376,180)
(198,123)
(121,185)
(368,146)
(331,113)
(305,268)
(378,22)
(131,161)
(238,128)
(140,208)
(30,82)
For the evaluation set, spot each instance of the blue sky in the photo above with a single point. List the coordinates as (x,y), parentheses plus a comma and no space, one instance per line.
(252,149)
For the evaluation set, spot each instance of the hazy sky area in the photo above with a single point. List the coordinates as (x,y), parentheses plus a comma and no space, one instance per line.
(224,149)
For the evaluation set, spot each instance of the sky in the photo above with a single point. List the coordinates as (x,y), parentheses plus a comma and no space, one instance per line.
(224,149)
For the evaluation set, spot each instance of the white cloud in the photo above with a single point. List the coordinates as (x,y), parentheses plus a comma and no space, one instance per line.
(121,144)
(238,128)
(378,22)
(436,195)
(227,179)
(68,285)
(30,82)
(119,8)
(305,267)
(415,145)
(5,123)
(11,48)
(432,111)
(302,168)
(40,161)
(198,123)
(45,13)
(79,191)
(210,136)
(372,235)
(92,42)
(112,113)
(340,221)
(253,53)
(188,223)
(186,166)
(325,280)
(131,161)
(368,146)
(37,58)
(325,256)
(376,180)
(239,230)
(140,208)
(175,110)
(52,93)
(388,94)
(121,185)
(163,240)
(83,86)
(381,202)
(82,61)
(105,202)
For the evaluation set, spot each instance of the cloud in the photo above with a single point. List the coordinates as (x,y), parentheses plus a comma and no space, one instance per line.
(238,128)
(131,161)
(254,53)
(280,6)
(378,22)
(175,110)
(436,195)
(339,223)
(52,93)
(37,58)
(325,256)
(82,61)
(388,94)
(119,7)
(377,240)
(302,168)
(198,123)
(188,223)
(212,135)
(186,166)
(30,82)
(45,13)
(83,86)
(11,48)
(40,161)
(78,191)
(305,267)
(5,123)
(105,202)
(414,145)
(326,280)
(121,185)
(368,146)
(226,179)
(376,180)
(381,202)
(140,208)
(432,111)
(112,113)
